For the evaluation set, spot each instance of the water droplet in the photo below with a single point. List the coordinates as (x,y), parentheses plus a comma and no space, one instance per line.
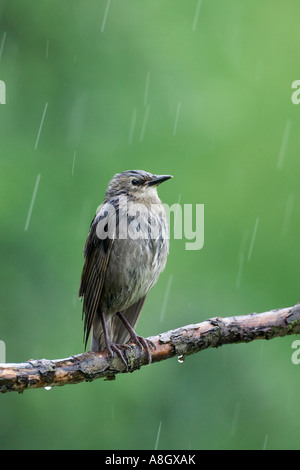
(265,443)
(157,437)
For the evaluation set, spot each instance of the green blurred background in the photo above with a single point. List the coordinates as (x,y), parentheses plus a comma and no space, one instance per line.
(200,90)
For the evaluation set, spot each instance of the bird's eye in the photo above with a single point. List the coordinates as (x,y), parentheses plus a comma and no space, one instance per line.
(134,182)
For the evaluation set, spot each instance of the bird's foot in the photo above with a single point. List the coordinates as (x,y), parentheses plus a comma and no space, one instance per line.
(140,341)
(119,350)
(146,344)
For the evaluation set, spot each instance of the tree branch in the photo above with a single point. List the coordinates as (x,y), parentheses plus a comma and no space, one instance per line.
(181,342)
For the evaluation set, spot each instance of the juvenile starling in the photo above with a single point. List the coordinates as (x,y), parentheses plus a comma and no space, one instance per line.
(125,252)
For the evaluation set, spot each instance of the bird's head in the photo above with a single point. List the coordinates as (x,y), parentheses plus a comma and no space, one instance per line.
(136,184)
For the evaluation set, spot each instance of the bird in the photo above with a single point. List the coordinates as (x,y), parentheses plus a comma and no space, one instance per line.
(125,252)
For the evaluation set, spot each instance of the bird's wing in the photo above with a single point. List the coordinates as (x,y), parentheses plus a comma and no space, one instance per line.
(97,251)
(119,333)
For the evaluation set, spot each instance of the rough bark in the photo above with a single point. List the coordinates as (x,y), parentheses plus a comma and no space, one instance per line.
(180,342)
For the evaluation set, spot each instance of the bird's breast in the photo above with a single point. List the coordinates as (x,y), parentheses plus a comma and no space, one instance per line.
(136,261)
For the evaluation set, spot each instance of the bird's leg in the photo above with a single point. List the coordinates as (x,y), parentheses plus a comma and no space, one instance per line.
(111,346)
(139,340)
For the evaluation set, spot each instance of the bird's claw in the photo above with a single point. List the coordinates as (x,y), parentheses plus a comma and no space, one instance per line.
(113,347)
(140,341)
(146,344)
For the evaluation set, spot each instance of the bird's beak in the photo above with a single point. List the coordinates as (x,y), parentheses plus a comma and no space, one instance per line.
(157,179)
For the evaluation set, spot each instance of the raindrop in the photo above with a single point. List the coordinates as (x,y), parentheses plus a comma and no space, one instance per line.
(2,44)
(2,352)
(3,94)
(265,442)
(284,144)
(252,239)
(157,437)
(74,157)
(41,125)
(196,15)
(105,16)
(32,202)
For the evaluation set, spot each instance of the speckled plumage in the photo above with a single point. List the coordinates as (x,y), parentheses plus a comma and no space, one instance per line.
(125,252)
